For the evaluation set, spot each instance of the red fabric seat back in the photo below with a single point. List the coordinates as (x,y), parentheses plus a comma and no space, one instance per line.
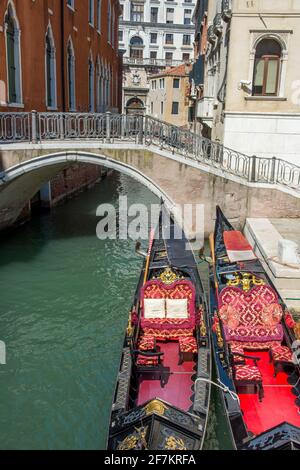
(249,305)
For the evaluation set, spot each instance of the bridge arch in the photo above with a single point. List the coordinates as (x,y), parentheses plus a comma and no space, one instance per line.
(22,181)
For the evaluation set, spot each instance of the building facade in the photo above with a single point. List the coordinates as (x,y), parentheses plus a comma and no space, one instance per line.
(251,85)
(59,55)
(153,34)
(169,95)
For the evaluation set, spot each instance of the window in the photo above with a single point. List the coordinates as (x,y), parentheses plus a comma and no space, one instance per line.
(137,12)
(151,107)
(50,70)
(170,16)
(122,12)
(154,15)
(176,83)
(153,54)
(185,57)
(169,39)
(121,35)
(153,84)
(99,4)
(267,68)
(70,3)
(71,76)
(161,107)
(136,47)
(169,57)
(91,86)
(91,12)
(13,56)
(186,40)
(161,83)
(113,29)
(109,22)
(153,38)
(187,17)
(175,107)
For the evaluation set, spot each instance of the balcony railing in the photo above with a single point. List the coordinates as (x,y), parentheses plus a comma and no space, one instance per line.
(226,10)
(151,62)
(144,130)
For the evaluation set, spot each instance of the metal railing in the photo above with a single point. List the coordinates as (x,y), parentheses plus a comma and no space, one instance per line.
(145,130)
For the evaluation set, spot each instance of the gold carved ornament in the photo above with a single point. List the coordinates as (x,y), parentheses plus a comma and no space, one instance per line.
(297,330)
(130,442)
(130,329)
(168,276)
(155,406)
(245,280)
(203,330)
(175,443)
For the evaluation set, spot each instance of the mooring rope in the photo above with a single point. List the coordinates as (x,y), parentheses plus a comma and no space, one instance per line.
(220,385)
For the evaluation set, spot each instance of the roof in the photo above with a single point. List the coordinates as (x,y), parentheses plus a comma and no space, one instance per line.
(179,71)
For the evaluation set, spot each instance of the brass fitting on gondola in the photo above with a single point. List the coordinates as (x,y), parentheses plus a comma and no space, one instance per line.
(203,330)
(130,329)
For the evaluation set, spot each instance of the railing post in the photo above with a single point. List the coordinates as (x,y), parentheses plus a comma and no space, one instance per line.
(273,170)
(108,118)
(252,169)
(123,124)
(141,130)
(33,127)
(61,126)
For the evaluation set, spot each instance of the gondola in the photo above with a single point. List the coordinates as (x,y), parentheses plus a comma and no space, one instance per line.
(162,394)
(254,339)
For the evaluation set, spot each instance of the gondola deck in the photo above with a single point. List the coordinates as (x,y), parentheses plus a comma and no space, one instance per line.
(253,336)
(161,401)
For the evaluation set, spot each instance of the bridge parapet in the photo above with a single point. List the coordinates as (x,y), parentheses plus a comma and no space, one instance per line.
(144,130)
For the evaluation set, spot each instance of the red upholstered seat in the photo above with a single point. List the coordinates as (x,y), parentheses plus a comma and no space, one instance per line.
(236,350)
(281,353)
(147,361)
(147,343)
(188,345)
(169,328)
(247,373)
(256,317)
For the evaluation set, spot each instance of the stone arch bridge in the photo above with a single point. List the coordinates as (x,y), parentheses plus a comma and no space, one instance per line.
(177,165)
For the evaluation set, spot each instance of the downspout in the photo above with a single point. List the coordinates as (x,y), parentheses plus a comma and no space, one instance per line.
(223,85)
(63,88)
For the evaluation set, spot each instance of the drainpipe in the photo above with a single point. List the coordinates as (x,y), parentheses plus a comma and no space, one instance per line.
(63,87)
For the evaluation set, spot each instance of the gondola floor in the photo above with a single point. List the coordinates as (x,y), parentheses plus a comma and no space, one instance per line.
(278,404)
(178,390)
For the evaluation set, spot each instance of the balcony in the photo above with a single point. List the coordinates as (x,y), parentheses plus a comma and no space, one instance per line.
(211,35)
(218,24)
(205,108)
(226,10)
(147,62)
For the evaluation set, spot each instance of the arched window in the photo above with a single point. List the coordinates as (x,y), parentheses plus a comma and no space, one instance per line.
(99,4)
(109,22)
(13,55)
(135,106)
(91,12)
(267,68)
(50,70)
(71,76)
(91,86)
(136,47)
(98,86)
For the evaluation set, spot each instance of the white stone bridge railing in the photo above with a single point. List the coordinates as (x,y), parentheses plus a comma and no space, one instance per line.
(144,130)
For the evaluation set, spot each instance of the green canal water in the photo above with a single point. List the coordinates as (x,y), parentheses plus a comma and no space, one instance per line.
(65,297)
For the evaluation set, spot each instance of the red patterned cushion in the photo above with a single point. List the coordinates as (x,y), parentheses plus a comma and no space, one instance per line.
(259,333)
(271,315)
(188,345)
(237,349)
(146,343)
(247,373)
(256,345)
(181,289)
(229,316)
(171,334)
(147,361)
(282,353)
(248,304)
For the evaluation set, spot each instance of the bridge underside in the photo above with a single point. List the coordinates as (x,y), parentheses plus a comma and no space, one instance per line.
(173,180)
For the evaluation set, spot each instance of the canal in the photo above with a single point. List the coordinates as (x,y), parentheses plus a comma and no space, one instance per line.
(65,297)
